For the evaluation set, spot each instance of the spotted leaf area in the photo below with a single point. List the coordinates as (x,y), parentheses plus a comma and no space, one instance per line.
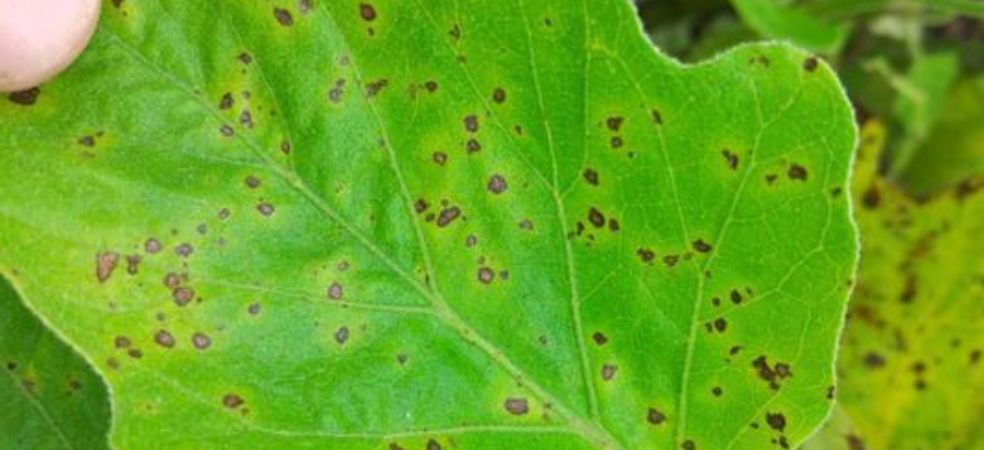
(49,397)
(910,366)
(434,224)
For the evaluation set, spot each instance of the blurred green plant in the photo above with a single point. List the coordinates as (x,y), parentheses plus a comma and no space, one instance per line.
(49,397)
(910,369)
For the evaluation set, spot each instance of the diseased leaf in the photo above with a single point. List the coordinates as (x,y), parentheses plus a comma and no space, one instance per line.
(49,397)
(909,368)
(434,224)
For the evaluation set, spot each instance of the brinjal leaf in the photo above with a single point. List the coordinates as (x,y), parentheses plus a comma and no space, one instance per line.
(434,224)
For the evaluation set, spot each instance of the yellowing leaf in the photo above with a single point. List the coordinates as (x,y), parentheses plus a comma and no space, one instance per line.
(910,370)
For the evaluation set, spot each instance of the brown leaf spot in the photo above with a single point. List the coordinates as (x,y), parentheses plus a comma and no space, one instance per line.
(376,87)
(855,442)
(797,172)
(184,250)
(152,246)
(122,342)
(266,209)
(172,280)
(440,158)
(596,218)
(246,119)
(164,338)
(499,95)
(335,291)
(283,16)
(87,141)
(232,401)
(367,11)
(591,176)
(182,296)
(342,335)
(657,117)
(671,260)
(730,158)
(497,184)
(254,309)
(447,216)
(252,182)
(132,264)
(201,341)
(227,101)
(874,360)
(771,374)
(776,421)
(615,123)
(871,198)
(810,64)
(517,406)
(486,275)
(26,97)
(701,246)
(655,416)
(599,338)
(608,371)
(720,325)
(337,92)
(471,123)
(105,265)
(473,146)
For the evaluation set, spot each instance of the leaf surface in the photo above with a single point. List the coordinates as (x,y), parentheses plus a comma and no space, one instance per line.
(909,368)
(49,397)
(434,224)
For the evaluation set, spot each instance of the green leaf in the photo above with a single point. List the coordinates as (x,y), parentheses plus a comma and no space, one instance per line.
(49,397)
(426,224)
(909,367)
(779,20)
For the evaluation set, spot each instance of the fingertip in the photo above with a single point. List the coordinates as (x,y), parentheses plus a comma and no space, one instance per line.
(40,38)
